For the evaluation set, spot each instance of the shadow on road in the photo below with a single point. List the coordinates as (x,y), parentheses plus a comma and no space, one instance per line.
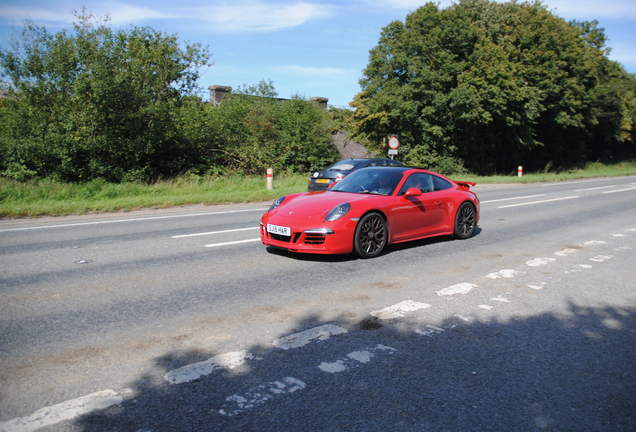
(548,372)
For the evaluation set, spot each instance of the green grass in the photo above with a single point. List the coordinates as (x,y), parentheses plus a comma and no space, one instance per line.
(53,198)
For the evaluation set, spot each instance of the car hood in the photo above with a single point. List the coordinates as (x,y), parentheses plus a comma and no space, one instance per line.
(315,204)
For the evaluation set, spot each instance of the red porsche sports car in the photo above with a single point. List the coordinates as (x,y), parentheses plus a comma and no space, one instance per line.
(370,208)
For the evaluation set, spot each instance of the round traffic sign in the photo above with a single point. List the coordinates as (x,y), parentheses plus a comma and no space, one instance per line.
(394,142)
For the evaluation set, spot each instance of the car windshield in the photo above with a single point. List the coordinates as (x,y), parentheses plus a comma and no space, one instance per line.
(375,181)
(344,166)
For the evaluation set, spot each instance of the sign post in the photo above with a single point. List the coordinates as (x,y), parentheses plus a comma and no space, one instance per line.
(394,144)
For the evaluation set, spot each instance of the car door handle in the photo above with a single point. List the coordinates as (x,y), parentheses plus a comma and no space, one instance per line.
(438,202)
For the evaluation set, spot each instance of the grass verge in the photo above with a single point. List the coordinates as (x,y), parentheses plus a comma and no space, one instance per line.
(52,198)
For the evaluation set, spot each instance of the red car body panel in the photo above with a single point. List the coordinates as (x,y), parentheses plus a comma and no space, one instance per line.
(408,217)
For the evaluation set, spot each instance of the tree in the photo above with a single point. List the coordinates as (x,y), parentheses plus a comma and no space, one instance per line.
(98,102)
(486,86)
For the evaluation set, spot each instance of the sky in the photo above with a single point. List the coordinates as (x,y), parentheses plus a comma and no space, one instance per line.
(305,47)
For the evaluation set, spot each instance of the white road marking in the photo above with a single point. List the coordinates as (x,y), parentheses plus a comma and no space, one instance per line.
(398,310)
(68,410)
(215,232)
(596,188)
(259,395)
(360,357)
(510,199)
(618,235)
(593,243)
(601,258)
(232,242)
(461,288)
(505,273)
(565,252)
(485,307)
(500,299)
(539,262)
(301,339)
(578,267)
(537,287)
(131,220)
(620,190)
(432,330)
(539,202)
(196,370)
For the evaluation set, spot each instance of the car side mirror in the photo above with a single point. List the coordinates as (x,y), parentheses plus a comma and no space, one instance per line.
(412,192)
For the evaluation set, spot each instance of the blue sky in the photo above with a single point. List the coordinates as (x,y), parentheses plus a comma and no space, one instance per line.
(306,47)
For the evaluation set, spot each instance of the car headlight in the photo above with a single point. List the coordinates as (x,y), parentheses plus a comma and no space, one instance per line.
(276,203)
(338,212)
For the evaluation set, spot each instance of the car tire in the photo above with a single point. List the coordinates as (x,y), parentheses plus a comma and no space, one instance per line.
(465,221)
(370,236)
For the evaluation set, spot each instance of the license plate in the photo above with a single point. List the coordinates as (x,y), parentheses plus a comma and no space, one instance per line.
(275,229)
(322,180)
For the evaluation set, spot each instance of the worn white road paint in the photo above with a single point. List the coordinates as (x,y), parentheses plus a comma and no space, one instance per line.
(505,273)
(236,404)
(537,287)
(485,307)
(432,330)
(623,248)
(399,310)
(199,369)
(593,243)
(539,262)
(301,339)
(618,235)
(63,411)
(355,359)
(579,267)
(601,258)
(500,299)
(565,252)
(461,288)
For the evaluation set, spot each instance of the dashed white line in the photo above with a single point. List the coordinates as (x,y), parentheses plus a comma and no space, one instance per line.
(232,242)
(510,199)
(196,370)
(301,339)
(620,190)
(539,202)
(215,232)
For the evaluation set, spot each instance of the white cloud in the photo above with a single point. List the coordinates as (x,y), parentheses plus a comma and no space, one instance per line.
(257,16)
(17,15)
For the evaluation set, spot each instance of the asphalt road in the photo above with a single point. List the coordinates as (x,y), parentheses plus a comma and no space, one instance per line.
(181,320)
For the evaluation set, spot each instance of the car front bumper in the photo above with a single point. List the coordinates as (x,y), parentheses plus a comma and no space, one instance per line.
(331,238)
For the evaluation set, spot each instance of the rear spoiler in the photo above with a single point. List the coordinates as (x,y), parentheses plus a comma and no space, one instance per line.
(465,184)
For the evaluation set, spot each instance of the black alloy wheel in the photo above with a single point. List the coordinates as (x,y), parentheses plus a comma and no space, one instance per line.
(370,237)
(465,221)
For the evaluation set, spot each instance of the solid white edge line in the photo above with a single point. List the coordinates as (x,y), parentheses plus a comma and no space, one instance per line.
(215,232)
(233,243)
(538,202)
(510,199)
(619,190)
(132,220)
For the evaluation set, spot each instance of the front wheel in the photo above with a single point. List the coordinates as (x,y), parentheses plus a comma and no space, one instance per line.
(465,221)
(370,237)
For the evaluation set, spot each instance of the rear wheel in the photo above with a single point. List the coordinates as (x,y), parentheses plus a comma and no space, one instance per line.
(465,221)
(370,237)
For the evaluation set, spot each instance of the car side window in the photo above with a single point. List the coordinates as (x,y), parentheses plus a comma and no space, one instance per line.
(421,181)
(393,163)
(440,184)
(377,163)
